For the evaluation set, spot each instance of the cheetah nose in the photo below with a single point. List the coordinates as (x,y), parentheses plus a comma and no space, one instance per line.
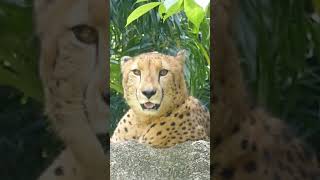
(149,93)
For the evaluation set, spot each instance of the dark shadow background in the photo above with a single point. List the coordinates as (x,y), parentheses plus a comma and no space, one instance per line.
(27,143)
(279,44)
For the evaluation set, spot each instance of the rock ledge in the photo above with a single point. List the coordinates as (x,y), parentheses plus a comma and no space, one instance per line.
(134,161)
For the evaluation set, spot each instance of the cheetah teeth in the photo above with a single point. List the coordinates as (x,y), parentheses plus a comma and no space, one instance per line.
(149,106)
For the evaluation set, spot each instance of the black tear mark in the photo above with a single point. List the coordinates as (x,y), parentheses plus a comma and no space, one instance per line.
(84,106)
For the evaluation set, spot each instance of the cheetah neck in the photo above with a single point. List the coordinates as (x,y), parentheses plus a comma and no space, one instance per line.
(229,100)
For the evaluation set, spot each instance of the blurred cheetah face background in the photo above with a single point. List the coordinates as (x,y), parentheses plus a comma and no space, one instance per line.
(74,56)
(153,83)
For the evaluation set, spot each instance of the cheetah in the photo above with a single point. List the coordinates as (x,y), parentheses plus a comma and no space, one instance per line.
(248,143)
(73,71)
(161,112)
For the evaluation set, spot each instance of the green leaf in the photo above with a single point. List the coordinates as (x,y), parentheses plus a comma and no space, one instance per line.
(116,87)
(141,11)
(205,53)
(162,10)
(172,7)
(203,3)
(169,3)
(195,13)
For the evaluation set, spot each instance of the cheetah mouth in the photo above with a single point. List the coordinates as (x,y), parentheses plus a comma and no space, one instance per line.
(150,106)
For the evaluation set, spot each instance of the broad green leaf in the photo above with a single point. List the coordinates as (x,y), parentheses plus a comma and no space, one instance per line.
(203,3)
(175,7)
(141,11)
(169,3)
(195,13)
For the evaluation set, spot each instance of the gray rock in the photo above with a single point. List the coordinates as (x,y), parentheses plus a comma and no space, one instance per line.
(133,161)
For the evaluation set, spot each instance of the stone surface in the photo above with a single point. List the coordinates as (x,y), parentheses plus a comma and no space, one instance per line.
(133,161)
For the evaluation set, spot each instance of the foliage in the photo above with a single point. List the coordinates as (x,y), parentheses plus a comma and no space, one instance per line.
(194,10)
(280,47)
(26,145)
(18,50)
(118,108)
(141,11)
(166,37)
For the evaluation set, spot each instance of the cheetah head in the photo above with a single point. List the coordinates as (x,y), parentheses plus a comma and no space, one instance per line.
(153,83)
(73,62)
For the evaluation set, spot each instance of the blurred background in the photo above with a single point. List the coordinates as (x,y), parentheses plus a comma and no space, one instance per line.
(27,143)
(280,53)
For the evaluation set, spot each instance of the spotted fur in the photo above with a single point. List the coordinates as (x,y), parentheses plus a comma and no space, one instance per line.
(179,118)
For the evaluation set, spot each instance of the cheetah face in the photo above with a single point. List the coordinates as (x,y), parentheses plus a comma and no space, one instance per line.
(73,62)
(152,81)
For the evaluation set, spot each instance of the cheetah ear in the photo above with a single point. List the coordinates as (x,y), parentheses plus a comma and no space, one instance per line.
(181,55)
(124,59)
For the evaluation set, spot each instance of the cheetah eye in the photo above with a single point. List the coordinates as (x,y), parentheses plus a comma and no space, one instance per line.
(136,72)
(85,34)
(163,72)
